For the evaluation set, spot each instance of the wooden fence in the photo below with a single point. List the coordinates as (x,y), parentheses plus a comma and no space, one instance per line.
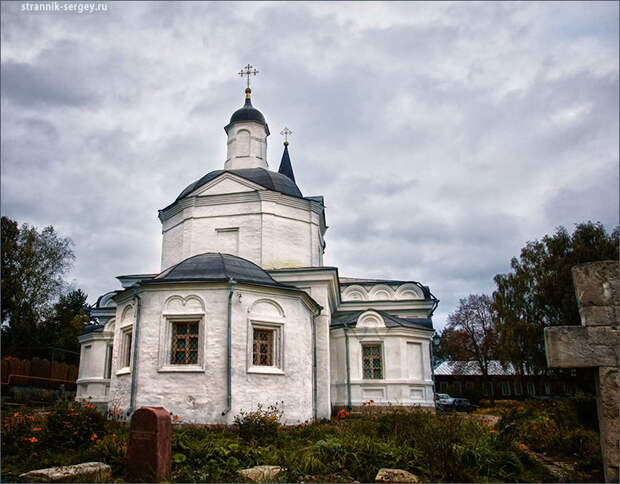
(38,372)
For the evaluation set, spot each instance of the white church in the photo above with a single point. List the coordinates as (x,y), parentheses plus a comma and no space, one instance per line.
(244,312)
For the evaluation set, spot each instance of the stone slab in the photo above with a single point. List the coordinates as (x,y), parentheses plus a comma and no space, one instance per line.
(608,388)
(581,347)
(85,472)
(395,475)
(260,473)
(599,315)
(149,452)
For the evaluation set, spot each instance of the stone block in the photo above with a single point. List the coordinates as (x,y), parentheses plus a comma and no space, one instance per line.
(596,283)
(86,472)
(599,315)
(608,410)
(150,445)
(395,475)
(581,347)
(260,473)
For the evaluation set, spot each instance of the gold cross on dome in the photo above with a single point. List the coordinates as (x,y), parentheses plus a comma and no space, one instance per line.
(285,132)
(248,71)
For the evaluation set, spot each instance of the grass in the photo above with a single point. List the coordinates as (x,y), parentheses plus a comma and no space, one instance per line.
(445,447)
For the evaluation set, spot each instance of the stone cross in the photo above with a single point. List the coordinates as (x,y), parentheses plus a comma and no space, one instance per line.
(150,445)
(595,344)
(248,71)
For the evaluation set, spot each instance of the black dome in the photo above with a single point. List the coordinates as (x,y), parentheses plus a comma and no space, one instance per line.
(265,178)
(213,267)
(248,113)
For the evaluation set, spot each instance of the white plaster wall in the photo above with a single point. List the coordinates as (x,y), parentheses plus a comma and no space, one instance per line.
(272,234)
(319,291)
(91,383)
(238,156)
(287,244)
(172,245)
(407,378)
(200,396)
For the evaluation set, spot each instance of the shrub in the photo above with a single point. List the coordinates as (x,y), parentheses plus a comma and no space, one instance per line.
(112,449)
(586,410)
(260,425)
(71,425)
(21,432)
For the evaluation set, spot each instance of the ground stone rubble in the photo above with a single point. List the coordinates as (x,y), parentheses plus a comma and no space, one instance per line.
(85,472)
(260,473)
(395,475)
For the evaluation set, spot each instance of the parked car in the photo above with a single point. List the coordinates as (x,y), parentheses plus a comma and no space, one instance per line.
(457,404)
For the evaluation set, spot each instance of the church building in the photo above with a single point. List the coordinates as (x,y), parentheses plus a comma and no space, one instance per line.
(244,312)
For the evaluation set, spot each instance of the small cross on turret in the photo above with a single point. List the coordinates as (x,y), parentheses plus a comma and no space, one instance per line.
(248,71)
(285,132)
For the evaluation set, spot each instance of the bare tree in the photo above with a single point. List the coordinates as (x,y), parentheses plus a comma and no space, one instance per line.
(471,335)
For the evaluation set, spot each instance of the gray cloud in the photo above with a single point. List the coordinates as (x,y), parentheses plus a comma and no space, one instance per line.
(443,136)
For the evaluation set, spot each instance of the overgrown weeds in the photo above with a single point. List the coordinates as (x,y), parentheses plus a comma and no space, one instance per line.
(436,447)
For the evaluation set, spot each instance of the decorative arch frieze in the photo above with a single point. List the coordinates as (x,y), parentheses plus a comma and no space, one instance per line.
(354,293)
(128,314)
(381,292)
(191,304)
(266,308)
(370,319)
(109,326)
(409,291)
(107,300)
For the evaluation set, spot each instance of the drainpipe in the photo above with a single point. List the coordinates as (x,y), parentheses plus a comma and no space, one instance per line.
(430,349)
(134,362)
(314,370)
(346,343)
(231,288)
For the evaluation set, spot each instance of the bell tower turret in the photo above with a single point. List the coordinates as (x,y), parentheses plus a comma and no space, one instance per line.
(247,133)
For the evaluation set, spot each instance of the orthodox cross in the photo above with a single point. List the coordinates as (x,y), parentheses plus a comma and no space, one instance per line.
(248,71)
(285,132)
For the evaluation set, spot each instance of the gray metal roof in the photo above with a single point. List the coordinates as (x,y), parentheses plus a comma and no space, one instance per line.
(265,178)
(472,368)
(349,318)
(285,164)
(212,267)
(92,328)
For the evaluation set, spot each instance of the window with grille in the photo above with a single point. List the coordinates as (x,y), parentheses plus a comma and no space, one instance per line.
(263,347)
(372,362)
(184,349)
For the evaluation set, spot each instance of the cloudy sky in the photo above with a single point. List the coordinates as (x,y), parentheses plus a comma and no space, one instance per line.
(443,136)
